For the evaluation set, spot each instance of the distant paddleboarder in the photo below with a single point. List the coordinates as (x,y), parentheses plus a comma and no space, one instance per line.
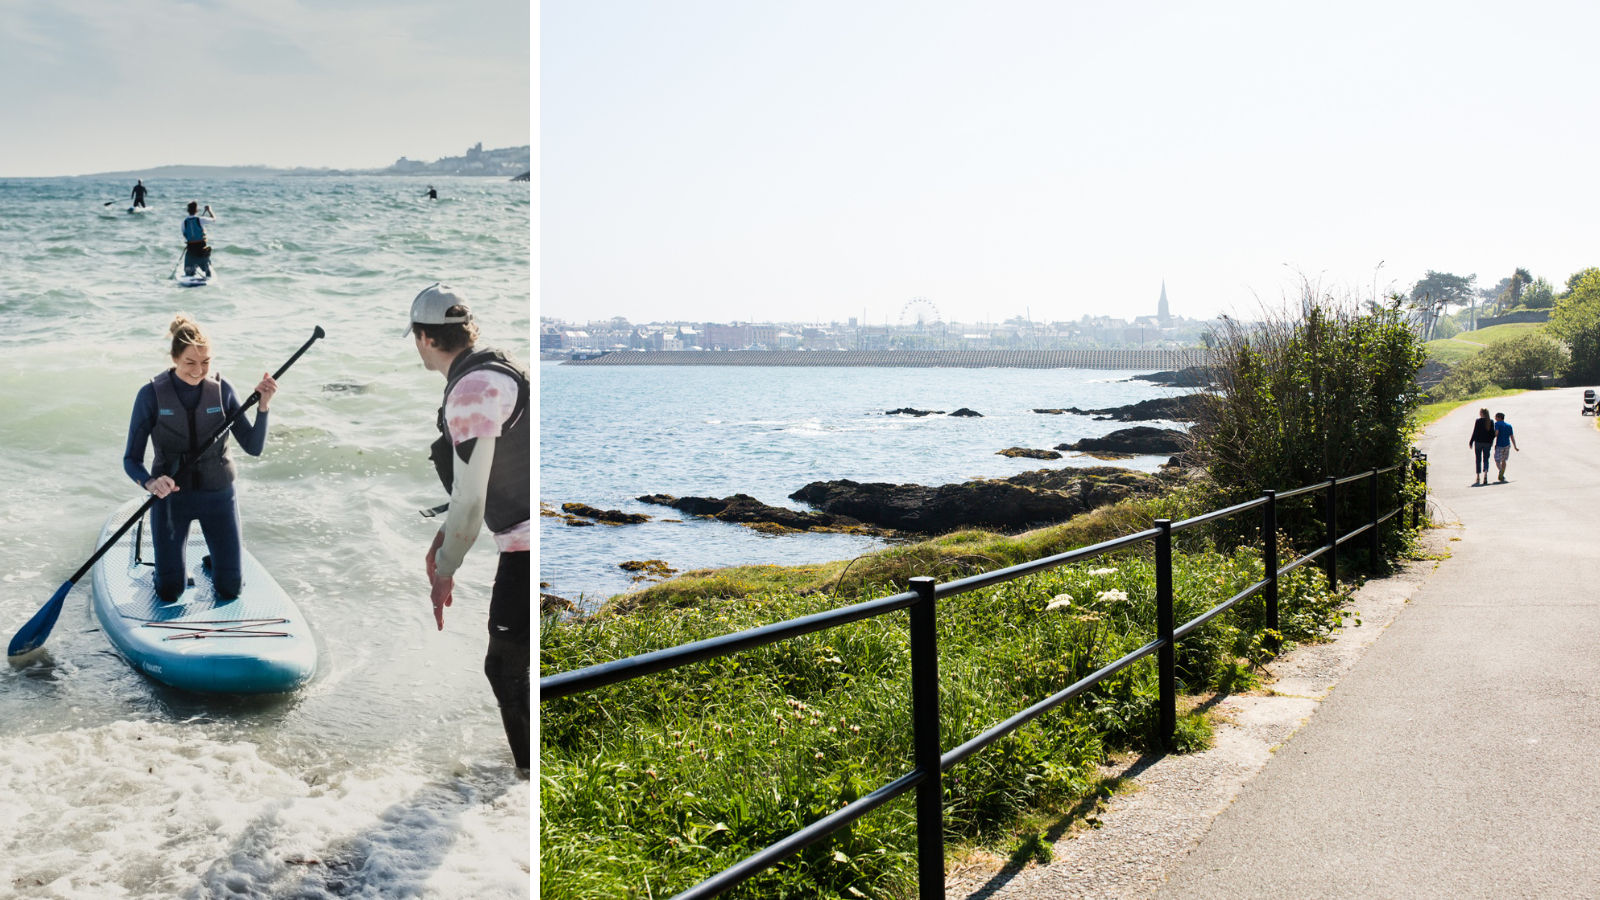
(432,194)
(138,194)
(198,252)
(176,411)
(482,459)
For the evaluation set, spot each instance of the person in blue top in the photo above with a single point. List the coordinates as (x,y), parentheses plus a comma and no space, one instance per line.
(176,412)
(197,252)
(1504,442)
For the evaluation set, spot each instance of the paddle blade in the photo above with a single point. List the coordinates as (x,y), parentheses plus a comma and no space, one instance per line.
(33,635)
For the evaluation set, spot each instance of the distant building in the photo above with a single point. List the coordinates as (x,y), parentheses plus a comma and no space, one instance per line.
(1163,315)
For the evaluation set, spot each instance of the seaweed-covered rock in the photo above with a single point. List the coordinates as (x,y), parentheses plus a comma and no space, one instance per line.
(1140,439)
(919,413)
(742,509)
(1025,453)
(1193,376)
(1185,408)
(1027,500)
(608,516)
(964,413)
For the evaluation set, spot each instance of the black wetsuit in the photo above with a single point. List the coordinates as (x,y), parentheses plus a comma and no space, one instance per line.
(139,191)
(433,194)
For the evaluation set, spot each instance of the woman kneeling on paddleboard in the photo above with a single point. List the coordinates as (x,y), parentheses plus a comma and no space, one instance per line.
(176,412)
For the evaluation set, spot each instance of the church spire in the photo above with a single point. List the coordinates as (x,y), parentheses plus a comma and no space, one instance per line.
(1162,314)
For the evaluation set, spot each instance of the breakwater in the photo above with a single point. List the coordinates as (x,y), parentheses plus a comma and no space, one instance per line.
(910,359)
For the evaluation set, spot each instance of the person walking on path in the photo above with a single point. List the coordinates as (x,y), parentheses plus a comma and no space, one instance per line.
(1504,443)
(139,190)
(197,251)
(481,457)
(1481,442)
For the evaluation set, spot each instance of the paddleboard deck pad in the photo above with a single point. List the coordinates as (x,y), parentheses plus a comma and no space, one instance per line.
(258,643)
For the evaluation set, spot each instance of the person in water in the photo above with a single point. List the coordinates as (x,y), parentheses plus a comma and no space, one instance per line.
(432,194)
(197,254)
(176,412)
(138,194)
(481,457)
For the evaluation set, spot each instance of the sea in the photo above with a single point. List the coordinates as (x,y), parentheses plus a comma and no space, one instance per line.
(388,775)
(610,434)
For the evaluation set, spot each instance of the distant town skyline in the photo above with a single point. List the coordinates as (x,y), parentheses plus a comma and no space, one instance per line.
(728,161)
(121,85)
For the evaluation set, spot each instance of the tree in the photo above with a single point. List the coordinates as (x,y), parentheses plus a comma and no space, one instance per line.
(1576,321)
(1435,292)
(1539,295)
(1574,278)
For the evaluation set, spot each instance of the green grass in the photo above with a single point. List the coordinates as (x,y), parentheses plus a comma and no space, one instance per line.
(1450,351)
(1432,412)
(650,786)
(1497,333)
(947,556)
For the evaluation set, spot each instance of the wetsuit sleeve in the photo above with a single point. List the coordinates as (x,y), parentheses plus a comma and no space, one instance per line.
(252,437)
(139,427)
(468,498)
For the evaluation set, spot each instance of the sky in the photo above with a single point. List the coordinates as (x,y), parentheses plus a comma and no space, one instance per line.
(115,85)
(814,161)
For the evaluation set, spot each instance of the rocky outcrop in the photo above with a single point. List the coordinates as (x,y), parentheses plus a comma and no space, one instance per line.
(1174,409)
(551,605)
(919,413)
(1023,501)
(964,413)
(1025,453)
(1141,440)
(1193,376)
(742,509)
(647,569)
(608,516)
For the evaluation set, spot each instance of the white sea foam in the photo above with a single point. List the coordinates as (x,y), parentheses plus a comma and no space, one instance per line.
(138,809)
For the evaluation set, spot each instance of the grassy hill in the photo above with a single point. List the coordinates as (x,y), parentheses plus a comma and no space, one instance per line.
(1470,343)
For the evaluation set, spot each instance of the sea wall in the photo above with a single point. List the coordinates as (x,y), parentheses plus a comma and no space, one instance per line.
(910,359)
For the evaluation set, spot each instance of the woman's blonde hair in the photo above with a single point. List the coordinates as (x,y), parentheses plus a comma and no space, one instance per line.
(186,332)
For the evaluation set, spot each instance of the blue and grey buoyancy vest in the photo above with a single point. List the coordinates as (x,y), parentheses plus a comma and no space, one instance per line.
(178,433)
(509,487)
(194,231)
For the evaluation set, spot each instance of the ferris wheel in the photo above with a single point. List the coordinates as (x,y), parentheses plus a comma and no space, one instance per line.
(919,314)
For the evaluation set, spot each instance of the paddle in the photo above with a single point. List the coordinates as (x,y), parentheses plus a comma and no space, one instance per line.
(33,635)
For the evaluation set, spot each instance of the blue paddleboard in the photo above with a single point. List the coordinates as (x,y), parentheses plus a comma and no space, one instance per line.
(259,643)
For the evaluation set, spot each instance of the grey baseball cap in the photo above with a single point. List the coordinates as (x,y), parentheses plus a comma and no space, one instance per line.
(432,305)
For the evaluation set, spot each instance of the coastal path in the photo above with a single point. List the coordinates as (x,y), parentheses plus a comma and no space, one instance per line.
(1461,756)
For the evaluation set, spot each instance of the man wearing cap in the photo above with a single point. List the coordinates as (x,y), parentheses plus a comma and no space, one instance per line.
(482,459)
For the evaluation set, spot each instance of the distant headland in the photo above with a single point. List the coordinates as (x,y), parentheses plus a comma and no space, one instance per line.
(514,163)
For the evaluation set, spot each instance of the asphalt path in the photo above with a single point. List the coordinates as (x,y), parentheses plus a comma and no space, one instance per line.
(1461,756)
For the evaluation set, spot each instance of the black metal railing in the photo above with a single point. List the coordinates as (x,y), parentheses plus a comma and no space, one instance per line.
(922,600)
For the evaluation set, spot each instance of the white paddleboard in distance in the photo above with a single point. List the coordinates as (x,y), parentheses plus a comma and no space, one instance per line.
(138,209)
(258,643)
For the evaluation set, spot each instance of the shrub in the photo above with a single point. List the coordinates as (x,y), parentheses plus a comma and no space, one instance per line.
(1328,390)
(1509,363)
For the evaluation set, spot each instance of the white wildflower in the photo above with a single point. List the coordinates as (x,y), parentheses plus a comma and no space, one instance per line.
(1061,601)
(1113,596)
(1101,573)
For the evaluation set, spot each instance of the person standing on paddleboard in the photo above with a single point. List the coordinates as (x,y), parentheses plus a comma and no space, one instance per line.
(176,411)
(138,194)
(482,459)
(197,254)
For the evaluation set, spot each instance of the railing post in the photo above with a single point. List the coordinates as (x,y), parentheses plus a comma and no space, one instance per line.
(1332,565)
(1422,501)
(1374,546)
(1166,657)
(1269,556)
(925,740)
